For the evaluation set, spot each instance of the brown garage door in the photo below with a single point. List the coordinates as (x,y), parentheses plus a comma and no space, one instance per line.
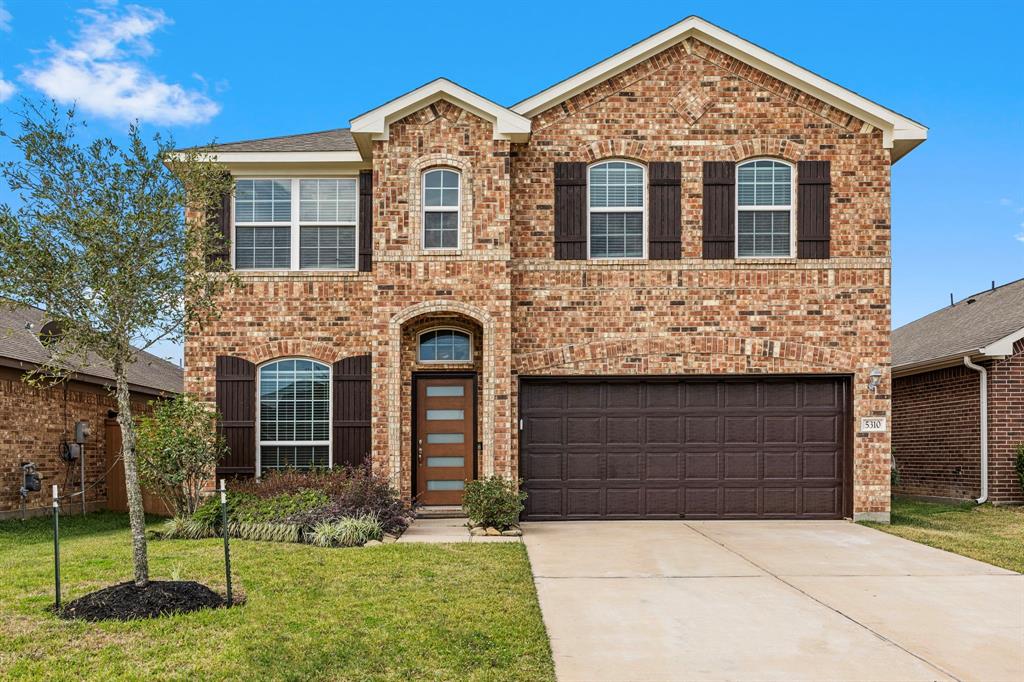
(695,448)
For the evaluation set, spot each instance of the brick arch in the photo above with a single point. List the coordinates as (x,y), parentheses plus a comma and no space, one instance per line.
(608,149)
(294,348)
(779,147)
(394,376)
(797,356)
(415,178)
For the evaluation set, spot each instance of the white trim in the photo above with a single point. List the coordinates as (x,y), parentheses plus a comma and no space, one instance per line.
(424,209)
(295,225)
(792,208)
(619,209)
(899,132)
(467,333)
(1004,346)
(508,125)
(330,414)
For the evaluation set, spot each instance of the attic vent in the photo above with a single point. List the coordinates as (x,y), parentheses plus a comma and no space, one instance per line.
(51,332)
(971,300)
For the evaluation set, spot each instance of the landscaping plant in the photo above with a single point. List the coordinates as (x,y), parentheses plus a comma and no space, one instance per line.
(347,532)
(1018,464)
(101,241)
(178,448)
(494,502)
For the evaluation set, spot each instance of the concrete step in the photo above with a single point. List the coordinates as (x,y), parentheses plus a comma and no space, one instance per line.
(440,512)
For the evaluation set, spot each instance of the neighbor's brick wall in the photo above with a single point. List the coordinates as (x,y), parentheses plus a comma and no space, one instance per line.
(1006,425)
(31,428)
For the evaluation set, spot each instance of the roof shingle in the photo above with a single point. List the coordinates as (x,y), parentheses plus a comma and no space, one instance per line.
(336,140)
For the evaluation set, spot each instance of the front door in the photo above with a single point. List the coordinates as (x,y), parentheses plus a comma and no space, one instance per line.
(443,451)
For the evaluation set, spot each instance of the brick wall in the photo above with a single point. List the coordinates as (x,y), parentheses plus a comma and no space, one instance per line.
(1006,425)
(31,429)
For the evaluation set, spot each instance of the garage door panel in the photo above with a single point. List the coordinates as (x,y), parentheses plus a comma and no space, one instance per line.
(702,448)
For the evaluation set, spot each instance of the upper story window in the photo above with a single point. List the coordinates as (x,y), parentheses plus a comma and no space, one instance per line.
(764,209)
(616,210)
(275,232)
(442,196)
(445,345)
(294,415)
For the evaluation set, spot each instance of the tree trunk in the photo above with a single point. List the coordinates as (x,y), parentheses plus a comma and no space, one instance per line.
(136,511)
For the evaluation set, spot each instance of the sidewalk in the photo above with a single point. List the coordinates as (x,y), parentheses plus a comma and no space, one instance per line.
(447,530)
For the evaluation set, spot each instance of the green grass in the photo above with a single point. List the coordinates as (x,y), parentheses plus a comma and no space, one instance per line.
(394,612)
(991,534)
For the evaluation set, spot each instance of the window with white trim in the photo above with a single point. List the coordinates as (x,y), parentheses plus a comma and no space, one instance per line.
(764,209)
(445,345)
(294,415)
(442,195)
(275,232)
(616,196)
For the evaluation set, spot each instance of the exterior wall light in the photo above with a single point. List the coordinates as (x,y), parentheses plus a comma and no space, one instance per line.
(874,379)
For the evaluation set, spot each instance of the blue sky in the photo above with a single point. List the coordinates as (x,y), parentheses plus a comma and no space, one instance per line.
(236,70)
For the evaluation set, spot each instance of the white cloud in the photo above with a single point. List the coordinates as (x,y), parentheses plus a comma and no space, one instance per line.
(104,73)
(6,88)
(5,19)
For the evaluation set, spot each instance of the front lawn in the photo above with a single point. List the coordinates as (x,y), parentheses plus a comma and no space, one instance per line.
(991,534)
(394,612)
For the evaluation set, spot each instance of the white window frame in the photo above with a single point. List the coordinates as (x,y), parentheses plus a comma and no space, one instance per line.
(286,443)
(419,339)
(440,209)
(619,209)
(791,208)
(295,224)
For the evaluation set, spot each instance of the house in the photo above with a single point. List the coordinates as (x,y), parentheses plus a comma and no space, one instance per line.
(658,288)
(958,399)
(36,421)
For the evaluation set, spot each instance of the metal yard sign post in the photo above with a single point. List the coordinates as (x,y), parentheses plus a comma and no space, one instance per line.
(224,526)
(56,548)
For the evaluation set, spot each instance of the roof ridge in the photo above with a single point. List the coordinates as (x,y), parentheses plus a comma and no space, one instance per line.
(280,137)
(990,290)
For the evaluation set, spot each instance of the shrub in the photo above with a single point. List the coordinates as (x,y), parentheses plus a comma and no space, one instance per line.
(347,532)
(356,492)
(494,502)
(265,531)
(180,528)
(1018,464)
(178,448)
(209,512)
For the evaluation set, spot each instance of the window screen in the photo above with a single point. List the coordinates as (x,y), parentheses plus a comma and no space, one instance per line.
(294,409)
(441,209)
(616,191)
(262,248)
(764,190)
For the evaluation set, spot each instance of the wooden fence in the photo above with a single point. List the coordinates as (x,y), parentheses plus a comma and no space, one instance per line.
(117,498)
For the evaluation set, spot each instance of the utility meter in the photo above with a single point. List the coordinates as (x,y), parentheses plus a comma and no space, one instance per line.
(31,482)
(81,432)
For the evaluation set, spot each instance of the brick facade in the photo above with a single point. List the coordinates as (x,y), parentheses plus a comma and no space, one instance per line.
(532,315)
(936,431)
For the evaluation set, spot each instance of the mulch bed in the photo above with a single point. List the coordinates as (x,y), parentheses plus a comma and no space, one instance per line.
(125,601)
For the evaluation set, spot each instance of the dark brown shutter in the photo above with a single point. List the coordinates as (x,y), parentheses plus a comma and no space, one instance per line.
(814,182)
(571,211)
(366,220)
(665,221)
(719,209)
(222,222)
(236,407)
(352,405)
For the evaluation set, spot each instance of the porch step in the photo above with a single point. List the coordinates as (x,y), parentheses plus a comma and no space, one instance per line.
(439,511)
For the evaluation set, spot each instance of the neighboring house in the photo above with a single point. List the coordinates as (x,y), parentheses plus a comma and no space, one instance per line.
(656,289)
(939,437)
(34,422)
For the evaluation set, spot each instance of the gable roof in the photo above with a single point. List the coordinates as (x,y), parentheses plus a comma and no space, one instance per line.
(899,132)
(21,348)
(985,324)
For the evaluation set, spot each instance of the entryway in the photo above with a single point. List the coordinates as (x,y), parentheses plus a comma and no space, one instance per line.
(444,439)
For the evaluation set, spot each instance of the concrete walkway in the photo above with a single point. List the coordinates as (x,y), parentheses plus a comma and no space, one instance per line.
(766,600)
(446,530)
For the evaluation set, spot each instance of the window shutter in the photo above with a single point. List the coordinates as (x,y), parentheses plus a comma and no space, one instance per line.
(222,223)
(719,209)
(366,220)
(814,186)
(664,195)
(236,408)
(571,211)
(352,406)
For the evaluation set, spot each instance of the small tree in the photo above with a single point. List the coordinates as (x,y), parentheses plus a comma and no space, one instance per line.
(178,449)
(103,244)
(1018,464)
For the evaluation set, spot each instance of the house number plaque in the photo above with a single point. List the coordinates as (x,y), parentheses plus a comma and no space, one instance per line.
(873,425)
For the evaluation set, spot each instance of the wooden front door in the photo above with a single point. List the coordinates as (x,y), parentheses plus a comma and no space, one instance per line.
(444,442)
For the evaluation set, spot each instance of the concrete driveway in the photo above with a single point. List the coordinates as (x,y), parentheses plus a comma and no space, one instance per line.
(769,600)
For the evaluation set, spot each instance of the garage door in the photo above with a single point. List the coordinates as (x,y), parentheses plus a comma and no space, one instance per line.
(695,448)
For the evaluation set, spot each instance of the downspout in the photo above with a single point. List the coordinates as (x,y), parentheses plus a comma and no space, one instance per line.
(983,377)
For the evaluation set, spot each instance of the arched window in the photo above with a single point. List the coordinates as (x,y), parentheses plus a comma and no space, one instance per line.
(442,195)
(445,345)
(294,415)
(764,209)
(615,192)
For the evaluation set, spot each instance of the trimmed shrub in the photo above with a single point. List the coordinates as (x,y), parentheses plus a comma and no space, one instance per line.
(494,502)
(1018,464)
(348,532)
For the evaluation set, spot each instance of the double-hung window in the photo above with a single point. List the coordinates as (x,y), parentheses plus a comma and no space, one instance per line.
(441,198)
(295,415)
(764,209)
(616,210)
(295,224)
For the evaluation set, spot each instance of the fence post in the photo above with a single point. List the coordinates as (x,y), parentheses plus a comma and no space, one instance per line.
(224,526)
(56,547)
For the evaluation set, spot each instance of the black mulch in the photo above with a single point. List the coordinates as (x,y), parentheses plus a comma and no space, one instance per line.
(125,601)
